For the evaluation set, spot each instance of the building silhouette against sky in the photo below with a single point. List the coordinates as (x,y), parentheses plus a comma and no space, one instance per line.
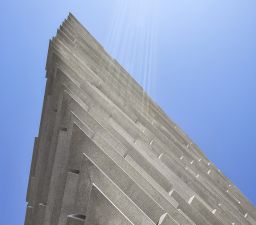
(106,154)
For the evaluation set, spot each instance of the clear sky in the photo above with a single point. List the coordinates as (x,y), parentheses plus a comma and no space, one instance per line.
(195,58)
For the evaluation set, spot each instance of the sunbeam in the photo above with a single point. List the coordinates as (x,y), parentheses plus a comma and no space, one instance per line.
(132,40)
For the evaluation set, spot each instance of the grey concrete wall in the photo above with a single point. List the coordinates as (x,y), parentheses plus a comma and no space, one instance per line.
(107,154)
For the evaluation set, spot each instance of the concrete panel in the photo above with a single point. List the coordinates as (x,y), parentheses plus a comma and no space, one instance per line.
(115,195)
(75,219)
(29,214)
(69,197)
(103,212)
(123,181)
(165,219)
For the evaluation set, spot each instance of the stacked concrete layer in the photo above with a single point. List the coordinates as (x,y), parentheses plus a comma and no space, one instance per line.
(107,154)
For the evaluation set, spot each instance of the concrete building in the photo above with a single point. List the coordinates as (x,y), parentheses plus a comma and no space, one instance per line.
(106,154)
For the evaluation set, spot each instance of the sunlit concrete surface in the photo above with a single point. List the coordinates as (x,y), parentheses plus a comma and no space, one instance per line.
(106,154)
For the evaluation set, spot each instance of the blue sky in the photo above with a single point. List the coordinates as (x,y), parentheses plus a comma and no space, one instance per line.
(199,66)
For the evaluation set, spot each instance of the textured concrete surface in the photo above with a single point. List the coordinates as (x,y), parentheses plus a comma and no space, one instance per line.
(106,154)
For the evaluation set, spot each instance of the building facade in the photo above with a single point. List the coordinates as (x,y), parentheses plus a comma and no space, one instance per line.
(106,154)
